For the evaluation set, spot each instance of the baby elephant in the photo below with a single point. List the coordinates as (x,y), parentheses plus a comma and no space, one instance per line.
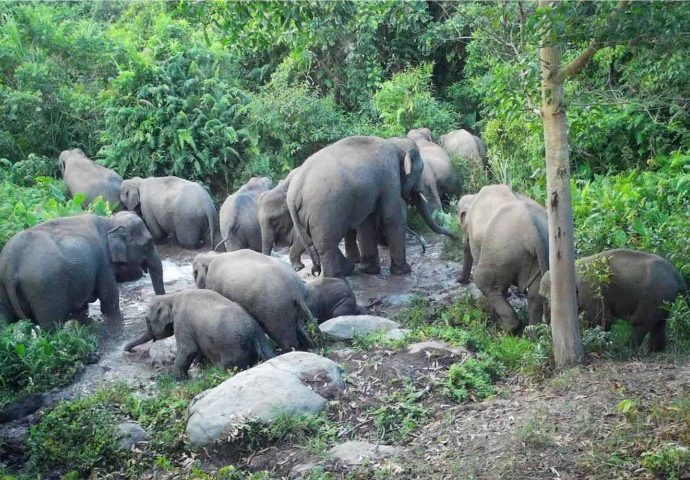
(626,284)
(329,297)
(207,325)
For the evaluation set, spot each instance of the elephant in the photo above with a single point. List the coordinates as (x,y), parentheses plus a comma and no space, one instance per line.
(506,235)
(417,134)
(265,287)
(437,160)
(356,183)
(463,143)
(55,269)
(83,175)
(239,223)
(627,284)
(206,325)
(172,206)
(329,297)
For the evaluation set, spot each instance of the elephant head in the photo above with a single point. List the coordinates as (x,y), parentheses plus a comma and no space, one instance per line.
(464,205)
(259,184)
(129,242)
(200,268)
(274,217)
(411,183)
(159,319)
(129,193)
(65,155)
(417,134)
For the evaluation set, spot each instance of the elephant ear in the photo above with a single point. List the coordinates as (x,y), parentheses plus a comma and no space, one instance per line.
(412,171)
(117,244)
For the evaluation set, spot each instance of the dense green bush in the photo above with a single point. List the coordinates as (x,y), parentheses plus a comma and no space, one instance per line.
(34,360)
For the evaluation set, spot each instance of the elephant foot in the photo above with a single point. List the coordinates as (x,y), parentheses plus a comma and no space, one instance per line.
(348,267)
(463,279)
(371,269)
(403,269)
(512,328)
(297,266)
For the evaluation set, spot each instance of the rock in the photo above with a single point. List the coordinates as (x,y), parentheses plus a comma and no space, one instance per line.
(284,384)
(21,408)
(302,470)
(435,347)
(129,433)
(356,452)
(396,334)
(349,326)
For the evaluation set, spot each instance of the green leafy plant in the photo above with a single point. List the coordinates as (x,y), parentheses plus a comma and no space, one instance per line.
(670,461)
(399,414)
(472,379)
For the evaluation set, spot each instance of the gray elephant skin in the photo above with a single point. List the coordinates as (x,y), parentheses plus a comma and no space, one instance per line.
(239,221)
(423,133)
(638,285)
(463,143)
(172,206)
(83,175)
(265,287)
(52,271)
(506,236)
(207,326)
(354,184)
(329,297)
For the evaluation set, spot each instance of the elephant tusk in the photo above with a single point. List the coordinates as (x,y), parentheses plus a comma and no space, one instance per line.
(421,195)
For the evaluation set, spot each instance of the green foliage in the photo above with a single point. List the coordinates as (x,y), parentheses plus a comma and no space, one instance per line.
(678,326)
(670,461)
(399,414)
(33,360)
(472,379)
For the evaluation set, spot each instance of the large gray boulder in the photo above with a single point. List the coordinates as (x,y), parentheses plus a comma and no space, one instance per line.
(349,326)
(296,383)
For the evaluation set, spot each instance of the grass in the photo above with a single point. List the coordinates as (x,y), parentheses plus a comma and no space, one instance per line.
(399,414)
(35,360)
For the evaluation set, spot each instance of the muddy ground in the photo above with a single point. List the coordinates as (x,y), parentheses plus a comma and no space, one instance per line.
(554,429)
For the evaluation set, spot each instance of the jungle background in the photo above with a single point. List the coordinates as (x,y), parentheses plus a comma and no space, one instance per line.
(218,92)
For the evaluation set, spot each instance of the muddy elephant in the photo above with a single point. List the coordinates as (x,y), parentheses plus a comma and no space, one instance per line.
(329,297)
(207,326)
(239,222)
(417,134)
(52,271)
(506,237)
(354,184)
(83,175)
(172,206)
(463,143)
(266,287)
(626,284)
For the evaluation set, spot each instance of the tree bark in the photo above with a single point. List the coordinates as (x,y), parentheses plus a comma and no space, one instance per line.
(565,328)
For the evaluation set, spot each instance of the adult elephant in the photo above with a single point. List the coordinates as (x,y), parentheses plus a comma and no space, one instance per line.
(354,184)
(463,143)
(54,270)
(265,287)
(83,175)
(239,222)
(172,206)
(417,134)
(627,284)
(437,160)
(506,236)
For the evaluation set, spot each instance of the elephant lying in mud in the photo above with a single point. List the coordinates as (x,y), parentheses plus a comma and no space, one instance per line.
(273,293)
(172,206)
(239,222)
(206,325)
(53,270)
(354,184)
(506,236)
(626,284)
(83,175)
(463,143)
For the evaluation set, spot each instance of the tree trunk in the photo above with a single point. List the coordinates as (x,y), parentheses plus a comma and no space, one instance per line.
(567,345)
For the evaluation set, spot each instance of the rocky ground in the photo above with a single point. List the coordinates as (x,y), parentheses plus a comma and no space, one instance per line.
(393,418)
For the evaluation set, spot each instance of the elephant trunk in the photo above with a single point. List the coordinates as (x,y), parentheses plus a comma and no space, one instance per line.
(155,267)
(267,240)
(146,337)
(423,207)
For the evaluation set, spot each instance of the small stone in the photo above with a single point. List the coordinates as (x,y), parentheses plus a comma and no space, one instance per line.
(129,433)
(435,347)
(356,452)
(349,326)
(396,334)
(302,470)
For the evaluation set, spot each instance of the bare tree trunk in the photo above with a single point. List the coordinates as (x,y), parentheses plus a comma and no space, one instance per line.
(567,345)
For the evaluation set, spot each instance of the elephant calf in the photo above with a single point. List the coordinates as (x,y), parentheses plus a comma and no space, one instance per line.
(172,206)
(463,143)
(626,284)
(506,235)
(83,175)
(329,297)
(208,325)
(239,222)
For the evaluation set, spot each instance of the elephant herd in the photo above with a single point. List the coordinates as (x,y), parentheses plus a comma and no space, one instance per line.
(357,190)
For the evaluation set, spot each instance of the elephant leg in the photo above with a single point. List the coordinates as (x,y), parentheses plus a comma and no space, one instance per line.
(296,250)
(334,263)
(535,304)
(351,249)
(466,263)
(154,228)
(109,295)
(189,233)
(495,296)
(183,360)
(657,337)
(394,221)
(370,250)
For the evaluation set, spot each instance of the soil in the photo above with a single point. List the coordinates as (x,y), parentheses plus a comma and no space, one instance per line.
(529,431)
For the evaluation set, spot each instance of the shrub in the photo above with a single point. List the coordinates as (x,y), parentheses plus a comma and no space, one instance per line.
(472,379)
(670,461)
(399,414)
(33,360)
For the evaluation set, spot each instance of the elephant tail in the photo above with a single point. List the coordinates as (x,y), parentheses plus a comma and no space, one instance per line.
(13,294)
(264,351)
(212,219)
